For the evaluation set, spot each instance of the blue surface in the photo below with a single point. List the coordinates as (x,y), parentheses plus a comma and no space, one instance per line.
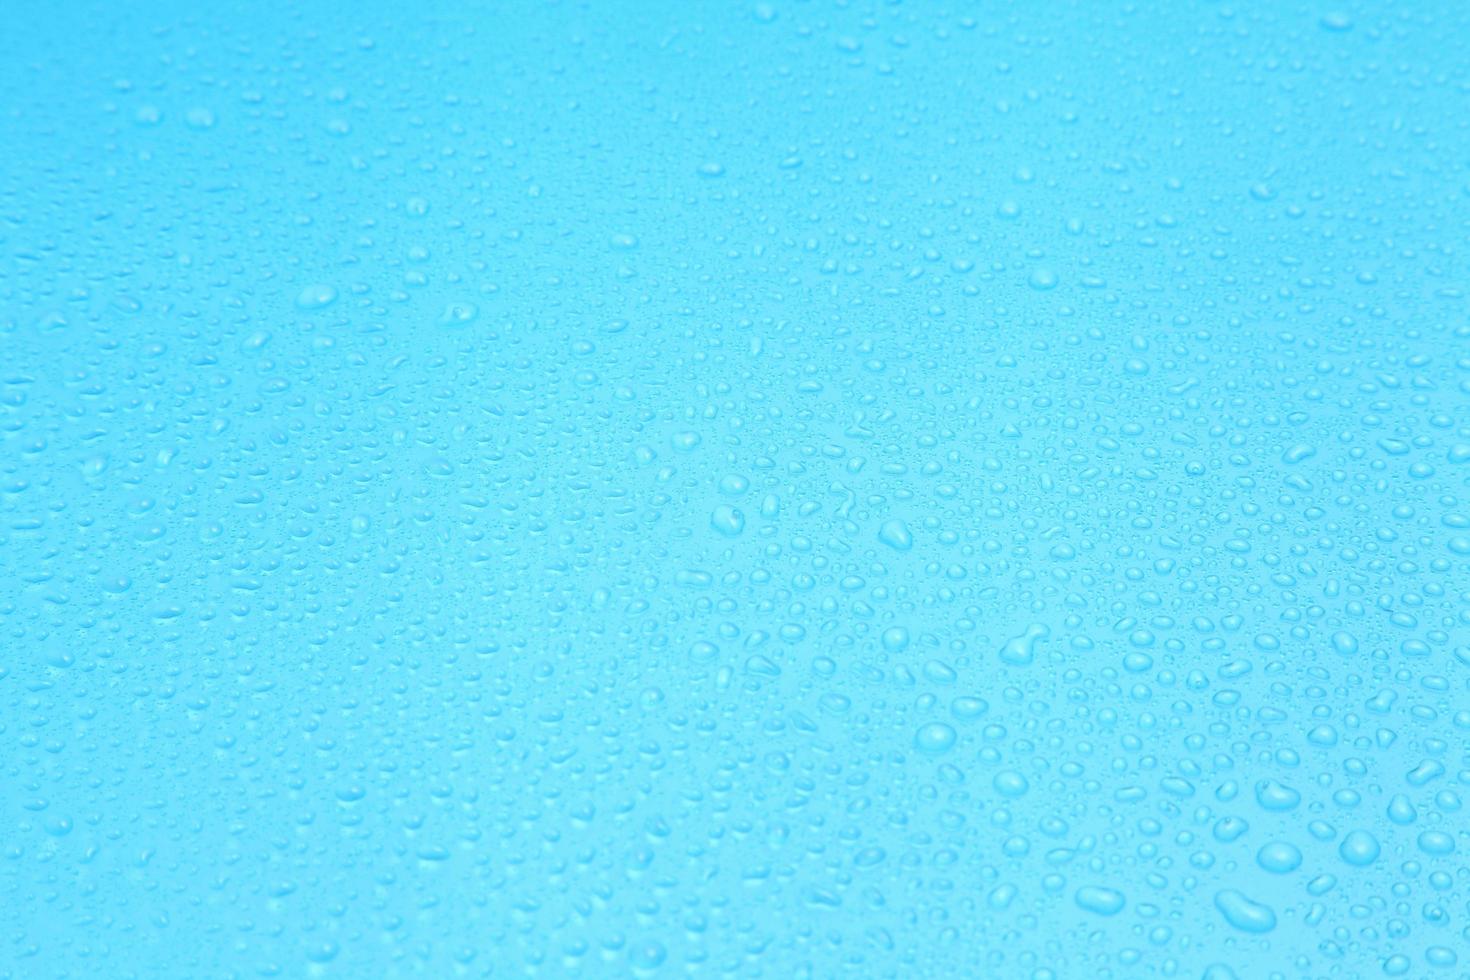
(782,489)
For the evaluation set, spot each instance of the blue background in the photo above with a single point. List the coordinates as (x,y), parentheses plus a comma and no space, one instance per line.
(781,489)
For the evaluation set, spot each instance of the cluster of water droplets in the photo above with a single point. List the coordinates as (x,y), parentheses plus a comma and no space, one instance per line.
(802,489)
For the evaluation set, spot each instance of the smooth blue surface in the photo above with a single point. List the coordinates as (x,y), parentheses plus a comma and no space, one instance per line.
(791,489)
